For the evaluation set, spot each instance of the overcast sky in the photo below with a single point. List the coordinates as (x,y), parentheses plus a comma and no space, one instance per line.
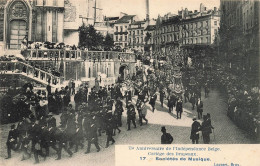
(114,7)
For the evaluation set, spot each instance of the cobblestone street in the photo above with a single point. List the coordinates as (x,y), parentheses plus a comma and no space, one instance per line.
(225,132)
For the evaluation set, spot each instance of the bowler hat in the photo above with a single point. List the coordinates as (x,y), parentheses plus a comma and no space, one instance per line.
(163,128)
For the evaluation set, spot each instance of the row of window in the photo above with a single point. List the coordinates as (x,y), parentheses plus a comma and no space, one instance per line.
(185,41)
(136,32)
(202,40)
(120,38)
(175,37)
(191,26)
(120,29)
(136,40)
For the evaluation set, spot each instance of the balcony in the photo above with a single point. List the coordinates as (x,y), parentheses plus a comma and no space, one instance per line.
(78,55)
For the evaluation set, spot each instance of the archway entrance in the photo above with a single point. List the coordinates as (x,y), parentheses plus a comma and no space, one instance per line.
(123,72)
(17,33)
(18,23)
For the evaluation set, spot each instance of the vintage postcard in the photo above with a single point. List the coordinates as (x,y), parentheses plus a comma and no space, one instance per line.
(129,82)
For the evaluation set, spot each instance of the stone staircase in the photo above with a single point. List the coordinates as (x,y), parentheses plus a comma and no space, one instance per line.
(26,70)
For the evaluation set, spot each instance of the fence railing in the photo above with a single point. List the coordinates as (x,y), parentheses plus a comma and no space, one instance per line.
(12,67)
(61,54)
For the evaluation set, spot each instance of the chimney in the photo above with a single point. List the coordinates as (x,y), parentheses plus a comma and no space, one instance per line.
(182,13)
(215,9)
(147,11)
(202,8)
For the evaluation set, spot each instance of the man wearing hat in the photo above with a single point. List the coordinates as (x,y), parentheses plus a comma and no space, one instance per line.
(166,138)
(11,140)
(130,114)
(206,129)
(195,128)
(118,111)
(109,131)
(92,135)
(199,108)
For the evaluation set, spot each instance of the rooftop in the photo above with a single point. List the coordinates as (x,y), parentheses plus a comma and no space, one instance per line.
(125,19)
(150,27)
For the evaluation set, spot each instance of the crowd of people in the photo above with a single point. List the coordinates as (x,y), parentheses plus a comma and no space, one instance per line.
(99,109)
(242,99)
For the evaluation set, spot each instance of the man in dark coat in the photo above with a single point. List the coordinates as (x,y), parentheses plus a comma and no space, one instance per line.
(152,101)
(62,140)
(92,137)
(72,87)
(119,110)
(166,138)
(186,95)
(11,140)
(109,132)
(179,108)
(206,130)
(171,102)
(193,100)
(162,95)
(112,90)
(195,128)
(48,89)
(199,108)
(78,99)
(141,96)
(35,135)
(130,115)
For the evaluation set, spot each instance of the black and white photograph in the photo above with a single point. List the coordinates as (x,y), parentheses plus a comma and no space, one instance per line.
(80,77)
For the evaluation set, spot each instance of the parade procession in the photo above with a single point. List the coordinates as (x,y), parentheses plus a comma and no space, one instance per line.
(75,81)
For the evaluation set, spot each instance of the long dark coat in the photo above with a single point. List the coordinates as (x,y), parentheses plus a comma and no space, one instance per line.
(195,128)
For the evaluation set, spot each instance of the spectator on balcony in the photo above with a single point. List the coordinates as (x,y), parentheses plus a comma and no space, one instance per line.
(25,40)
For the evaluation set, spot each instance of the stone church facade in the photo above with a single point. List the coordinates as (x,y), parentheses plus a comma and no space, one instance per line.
(43,20)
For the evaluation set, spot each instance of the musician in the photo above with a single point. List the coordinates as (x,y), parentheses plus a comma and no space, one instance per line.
(162,96)
(11,140)
(143,113)
(109,132)
(130,115)
(152,101)
(91,134)
(118,111)
(179,108)
(171,102)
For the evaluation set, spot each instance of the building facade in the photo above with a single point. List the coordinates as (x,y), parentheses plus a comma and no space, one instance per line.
(187,28)
(136,35)
(239,36)
(121,30)
(43,20)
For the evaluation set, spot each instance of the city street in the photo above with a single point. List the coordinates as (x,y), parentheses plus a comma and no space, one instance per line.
(225,133)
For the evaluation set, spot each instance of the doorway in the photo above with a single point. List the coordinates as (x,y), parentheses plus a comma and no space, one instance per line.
(17,33)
